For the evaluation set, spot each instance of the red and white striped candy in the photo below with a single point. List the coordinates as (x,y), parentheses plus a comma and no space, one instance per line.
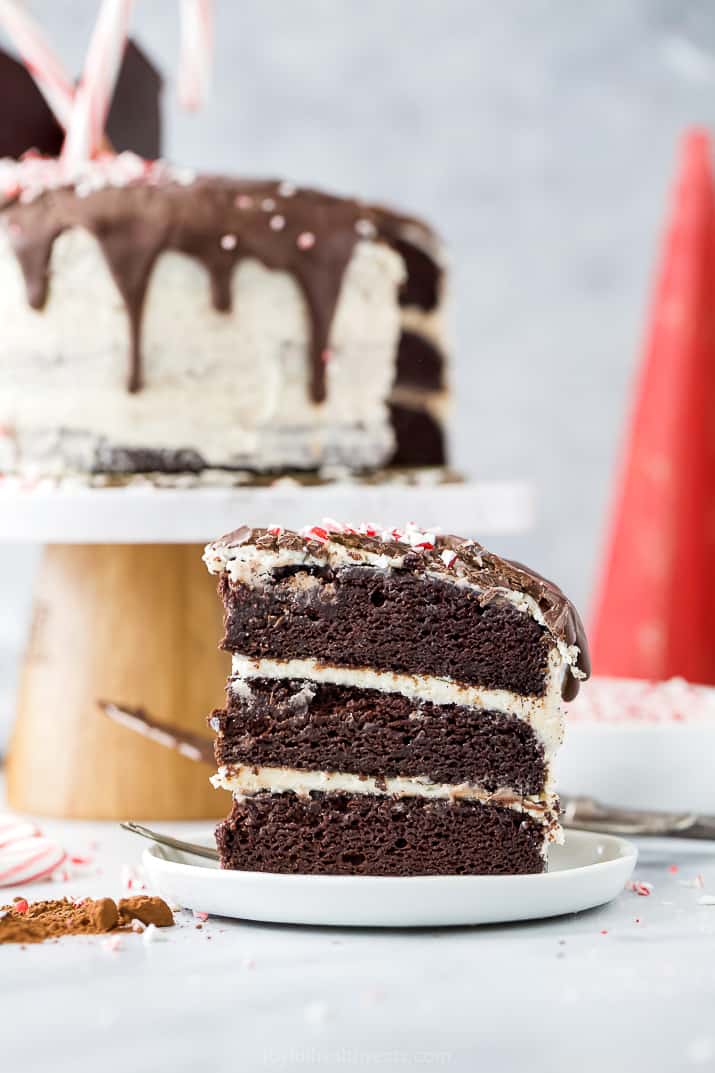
(94,93)
(13,830)
(28,859)
(196,50)
(51,79)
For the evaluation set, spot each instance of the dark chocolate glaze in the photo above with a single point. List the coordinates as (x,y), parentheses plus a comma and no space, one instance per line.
(218,222)
(473,564)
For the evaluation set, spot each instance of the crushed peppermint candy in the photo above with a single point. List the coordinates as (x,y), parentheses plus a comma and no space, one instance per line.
(305,240)
(268,204)
(641,888)
(152,934)
(415,538)
(244,201)
(277,222)
(287,189)
(314,532)
(229,242)
(637,701)
(34,174)
(132,878)
(698,882)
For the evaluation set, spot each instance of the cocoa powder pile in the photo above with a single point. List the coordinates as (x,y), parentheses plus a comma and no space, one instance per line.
(34,922)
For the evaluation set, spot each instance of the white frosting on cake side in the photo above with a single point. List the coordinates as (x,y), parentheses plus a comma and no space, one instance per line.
(233,387)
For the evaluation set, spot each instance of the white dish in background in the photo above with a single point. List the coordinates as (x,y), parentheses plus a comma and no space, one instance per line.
(641,745)
(588,870)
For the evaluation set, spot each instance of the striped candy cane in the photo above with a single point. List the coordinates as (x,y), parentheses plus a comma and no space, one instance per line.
(46,69)
(196,51)
(94,93)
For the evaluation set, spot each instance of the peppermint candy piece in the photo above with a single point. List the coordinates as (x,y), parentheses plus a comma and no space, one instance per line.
(27,859)
(13,829)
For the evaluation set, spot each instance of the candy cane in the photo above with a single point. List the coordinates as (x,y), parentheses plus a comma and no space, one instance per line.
(46,69)
(196,50)
(94,93)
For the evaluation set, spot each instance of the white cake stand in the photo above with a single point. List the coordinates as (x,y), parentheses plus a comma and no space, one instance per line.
(124,610)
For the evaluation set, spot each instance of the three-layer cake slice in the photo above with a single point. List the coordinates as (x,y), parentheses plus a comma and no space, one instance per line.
(394,705)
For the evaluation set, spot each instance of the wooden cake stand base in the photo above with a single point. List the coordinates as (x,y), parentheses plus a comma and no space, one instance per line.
(133,623)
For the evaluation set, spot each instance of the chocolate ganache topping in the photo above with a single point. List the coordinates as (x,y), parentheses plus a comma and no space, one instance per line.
(448,556)
(219,222)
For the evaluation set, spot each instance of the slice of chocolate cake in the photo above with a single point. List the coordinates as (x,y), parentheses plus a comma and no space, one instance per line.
(394,705)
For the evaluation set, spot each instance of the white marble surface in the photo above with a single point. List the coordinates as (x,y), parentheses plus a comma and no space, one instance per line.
(627,986)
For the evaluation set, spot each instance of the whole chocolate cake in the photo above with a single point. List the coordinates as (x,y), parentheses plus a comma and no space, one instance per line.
(154,320)
(394,705)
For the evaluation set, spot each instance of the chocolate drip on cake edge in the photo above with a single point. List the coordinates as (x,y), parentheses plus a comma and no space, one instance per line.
(219,222)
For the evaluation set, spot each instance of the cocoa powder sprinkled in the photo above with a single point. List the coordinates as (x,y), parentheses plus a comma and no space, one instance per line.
(35,922)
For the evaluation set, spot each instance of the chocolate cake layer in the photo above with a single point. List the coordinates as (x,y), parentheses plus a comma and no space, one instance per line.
(419,438)
(344,834)
(357,616)
(419,363)
(311,726)
(408,559)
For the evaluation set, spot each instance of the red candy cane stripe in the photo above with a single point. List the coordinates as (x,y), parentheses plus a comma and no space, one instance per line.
(51,79)
(29,859)
(12,830)
(196,52)
(94,93)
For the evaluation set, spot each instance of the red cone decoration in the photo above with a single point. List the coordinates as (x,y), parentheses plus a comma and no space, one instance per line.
(655,610)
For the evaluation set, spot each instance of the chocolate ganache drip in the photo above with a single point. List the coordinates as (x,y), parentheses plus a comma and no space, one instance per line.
(218,222)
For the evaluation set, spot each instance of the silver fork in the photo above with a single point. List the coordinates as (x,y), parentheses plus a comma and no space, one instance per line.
(167,840)
(587,814)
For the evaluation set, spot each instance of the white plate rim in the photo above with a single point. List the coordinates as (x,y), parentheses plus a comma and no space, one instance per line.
(629,851)
(567,890)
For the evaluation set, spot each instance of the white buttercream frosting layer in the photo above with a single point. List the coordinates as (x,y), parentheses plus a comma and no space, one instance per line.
(543,714)
(243,781)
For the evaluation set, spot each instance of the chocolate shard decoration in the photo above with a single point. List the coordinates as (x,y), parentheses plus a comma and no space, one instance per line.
(134,122)
(25,120)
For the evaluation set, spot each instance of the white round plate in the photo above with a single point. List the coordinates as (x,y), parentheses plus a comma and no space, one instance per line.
(588,870)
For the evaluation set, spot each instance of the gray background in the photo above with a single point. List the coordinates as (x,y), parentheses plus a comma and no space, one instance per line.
(539,136)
